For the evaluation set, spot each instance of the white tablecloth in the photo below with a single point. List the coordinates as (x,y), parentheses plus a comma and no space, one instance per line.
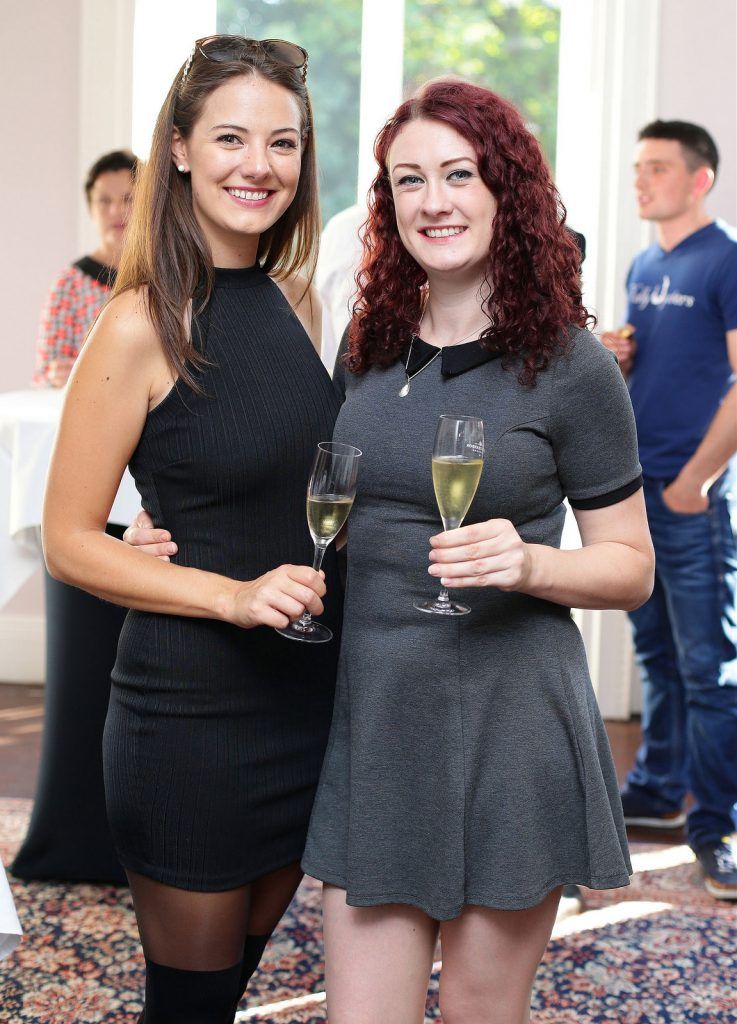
(28,421)
(10,929)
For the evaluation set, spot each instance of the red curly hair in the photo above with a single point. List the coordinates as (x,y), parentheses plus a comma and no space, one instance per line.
(533,260)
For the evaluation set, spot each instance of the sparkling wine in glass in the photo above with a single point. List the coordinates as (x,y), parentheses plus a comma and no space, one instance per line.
(457,461)
(330,494)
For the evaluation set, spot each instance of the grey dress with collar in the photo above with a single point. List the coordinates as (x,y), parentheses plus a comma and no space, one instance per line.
(467,761)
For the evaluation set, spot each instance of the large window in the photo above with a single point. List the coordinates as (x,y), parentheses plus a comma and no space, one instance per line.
(330,31)
(510,46)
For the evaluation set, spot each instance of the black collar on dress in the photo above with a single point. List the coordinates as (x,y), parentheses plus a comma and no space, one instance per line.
(96,270)
(454,359)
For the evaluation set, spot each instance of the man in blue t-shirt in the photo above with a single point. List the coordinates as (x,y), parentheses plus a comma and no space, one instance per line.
(679,352)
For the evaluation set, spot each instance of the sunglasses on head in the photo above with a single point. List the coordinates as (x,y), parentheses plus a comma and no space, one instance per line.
(230,48)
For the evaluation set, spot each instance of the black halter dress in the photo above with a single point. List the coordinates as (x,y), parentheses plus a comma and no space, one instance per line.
(215,734)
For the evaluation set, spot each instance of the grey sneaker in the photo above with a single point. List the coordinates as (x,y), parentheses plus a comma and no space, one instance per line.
(719,864)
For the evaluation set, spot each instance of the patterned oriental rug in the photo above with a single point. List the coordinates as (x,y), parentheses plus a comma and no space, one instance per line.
(659,952)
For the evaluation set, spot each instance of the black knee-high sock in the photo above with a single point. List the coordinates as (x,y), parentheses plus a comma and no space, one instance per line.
(174,996)
(253,950)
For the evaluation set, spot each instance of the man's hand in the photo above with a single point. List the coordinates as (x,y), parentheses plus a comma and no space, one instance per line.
(622,344)
(142,535)
(686,496)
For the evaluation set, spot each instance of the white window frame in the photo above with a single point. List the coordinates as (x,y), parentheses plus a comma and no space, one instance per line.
(164,32)
(382,73)
(105,97)
(129,52)
(608,67)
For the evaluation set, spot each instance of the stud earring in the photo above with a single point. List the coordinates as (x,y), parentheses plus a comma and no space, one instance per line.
(181,168)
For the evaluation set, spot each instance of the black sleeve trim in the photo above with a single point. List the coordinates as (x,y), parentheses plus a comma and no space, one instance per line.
(610,498)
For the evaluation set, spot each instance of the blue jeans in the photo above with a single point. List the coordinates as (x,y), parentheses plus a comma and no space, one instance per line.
(686,646)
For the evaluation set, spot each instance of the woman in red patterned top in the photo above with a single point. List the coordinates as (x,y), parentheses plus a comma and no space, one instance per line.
(77,296)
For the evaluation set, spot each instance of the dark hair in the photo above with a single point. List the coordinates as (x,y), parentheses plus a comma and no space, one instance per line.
(533,261)
(165,250)
(699,149)
(118,160)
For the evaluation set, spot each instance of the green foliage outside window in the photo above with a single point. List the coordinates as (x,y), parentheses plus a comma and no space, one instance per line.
(510,46)
(330,31)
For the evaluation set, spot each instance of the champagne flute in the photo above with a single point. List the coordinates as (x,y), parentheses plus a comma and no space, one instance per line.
(457,461)
(330,494)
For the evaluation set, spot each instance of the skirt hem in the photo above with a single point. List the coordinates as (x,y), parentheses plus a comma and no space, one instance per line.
(448,912)
(177,880)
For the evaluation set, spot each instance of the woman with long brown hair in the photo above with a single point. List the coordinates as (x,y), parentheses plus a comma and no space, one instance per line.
(468,775)
(202,373)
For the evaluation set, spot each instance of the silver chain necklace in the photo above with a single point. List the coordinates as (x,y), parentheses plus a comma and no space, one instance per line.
(404,390)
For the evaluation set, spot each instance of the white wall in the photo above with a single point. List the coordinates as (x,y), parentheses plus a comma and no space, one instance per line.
(39,102)
(65,88)
(65,92)
(697,81)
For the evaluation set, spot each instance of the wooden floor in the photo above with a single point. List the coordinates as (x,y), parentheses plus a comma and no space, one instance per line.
(21,725)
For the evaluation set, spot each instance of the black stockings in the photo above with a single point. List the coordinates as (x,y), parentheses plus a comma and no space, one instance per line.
(190,997)
(201,948)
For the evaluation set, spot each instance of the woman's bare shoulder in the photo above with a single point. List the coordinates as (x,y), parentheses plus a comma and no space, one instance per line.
(124,329)
(125,319)
(298,289)
(303,297)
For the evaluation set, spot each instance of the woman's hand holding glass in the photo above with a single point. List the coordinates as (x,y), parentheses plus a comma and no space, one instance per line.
(457,462)
(330,493)
(276,598)
(489,554)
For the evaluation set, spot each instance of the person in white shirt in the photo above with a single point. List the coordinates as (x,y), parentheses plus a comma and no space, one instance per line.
(340,255)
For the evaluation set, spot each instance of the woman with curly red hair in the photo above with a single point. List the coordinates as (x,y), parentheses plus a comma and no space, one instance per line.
(468,775)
